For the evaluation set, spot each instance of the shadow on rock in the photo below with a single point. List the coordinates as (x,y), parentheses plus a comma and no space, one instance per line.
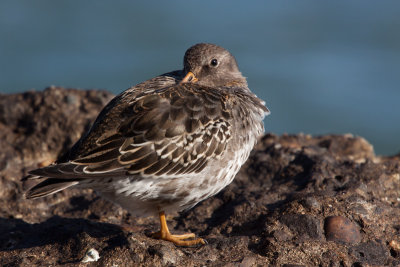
(16,234)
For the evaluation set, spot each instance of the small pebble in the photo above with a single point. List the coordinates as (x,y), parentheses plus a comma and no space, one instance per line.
(248,261)
(91,255)
(311,203)
(168,254)
(71,99)
(395,245)
(342,230)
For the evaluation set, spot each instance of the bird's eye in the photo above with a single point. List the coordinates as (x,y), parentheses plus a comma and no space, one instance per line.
(214,62)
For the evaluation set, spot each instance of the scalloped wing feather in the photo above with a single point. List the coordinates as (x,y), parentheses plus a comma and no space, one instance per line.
(167,132)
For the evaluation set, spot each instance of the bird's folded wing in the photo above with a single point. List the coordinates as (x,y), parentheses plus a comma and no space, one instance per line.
(170,132)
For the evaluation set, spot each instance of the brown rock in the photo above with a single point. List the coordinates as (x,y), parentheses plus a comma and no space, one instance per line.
(271,215)
(341,229)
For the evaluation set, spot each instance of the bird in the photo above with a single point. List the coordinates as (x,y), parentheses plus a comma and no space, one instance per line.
(167,143)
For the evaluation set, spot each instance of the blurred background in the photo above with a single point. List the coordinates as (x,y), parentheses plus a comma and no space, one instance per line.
(322,67)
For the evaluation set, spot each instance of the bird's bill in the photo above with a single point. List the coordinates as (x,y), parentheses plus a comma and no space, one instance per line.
(189,78)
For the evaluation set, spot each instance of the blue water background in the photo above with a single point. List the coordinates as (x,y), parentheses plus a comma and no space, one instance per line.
(321,66)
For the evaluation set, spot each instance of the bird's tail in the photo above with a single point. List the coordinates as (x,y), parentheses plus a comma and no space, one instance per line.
(48,187)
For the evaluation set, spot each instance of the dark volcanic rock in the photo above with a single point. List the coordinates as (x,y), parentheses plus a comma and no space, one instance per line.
(371,252)
(276,212)
(303,225)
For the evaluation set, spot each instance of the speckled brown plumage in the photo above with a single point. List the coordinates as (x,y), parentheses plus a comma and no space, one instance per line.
(167,143)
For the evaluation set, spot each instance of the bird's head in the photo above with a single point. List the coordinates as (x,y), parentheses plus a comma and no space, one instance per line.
(211,65)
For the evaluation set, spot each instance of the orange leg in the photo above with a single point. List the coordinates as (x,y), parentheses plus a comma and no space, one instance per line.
(178,240)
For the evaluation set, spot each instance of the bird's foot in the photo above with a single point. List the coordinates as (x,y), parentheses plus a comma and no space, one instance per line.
(179,240)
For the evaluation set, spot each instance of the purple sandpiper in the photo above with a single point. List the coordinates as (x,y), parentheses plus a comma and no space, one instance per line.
(167,143)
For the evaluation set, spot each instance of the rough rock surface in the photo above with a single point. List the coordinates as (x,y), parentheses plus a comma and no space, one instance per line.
(298,201)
